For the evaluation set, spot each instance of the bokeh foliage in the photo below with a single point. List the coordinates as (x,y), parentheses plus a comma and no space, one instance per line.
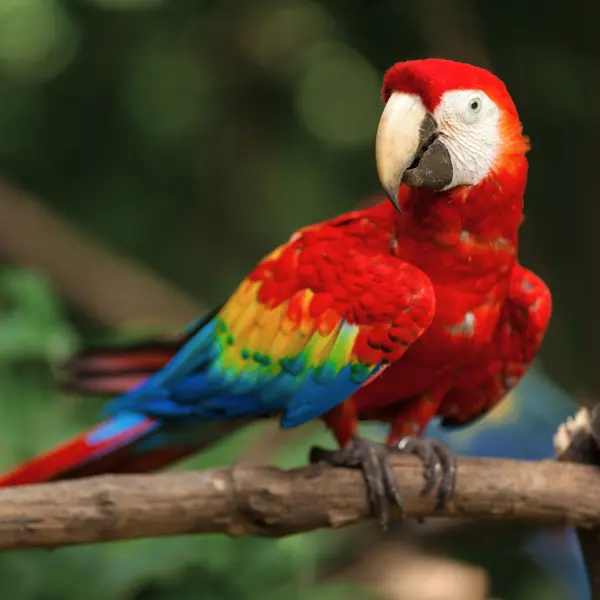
(195,136)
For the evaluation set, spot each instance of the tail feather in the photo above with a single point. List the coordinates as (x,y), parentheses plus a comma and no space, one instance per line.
(128,442)
(125,443)
(115,370)
(119,368)
(105,384)
(101,449)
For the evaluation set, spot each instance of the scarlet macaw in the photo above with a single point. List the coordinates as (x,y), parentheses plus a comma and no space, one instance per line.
(399,312)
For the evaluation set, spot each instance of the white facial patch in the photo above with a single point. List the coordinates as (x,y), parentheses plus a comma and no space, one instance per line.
(468,122)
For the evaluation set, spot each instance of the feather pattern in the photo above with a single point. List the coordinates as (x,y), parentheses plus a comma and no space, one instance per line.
(303,332)
(288,342)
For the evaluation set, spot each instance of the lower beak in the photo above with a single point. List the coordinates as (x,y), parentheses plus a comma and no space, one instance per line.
(407,148)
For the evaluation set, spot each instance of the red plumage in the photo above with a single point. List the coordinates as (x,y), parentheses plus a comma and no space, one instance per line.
(78,452)
(432,77)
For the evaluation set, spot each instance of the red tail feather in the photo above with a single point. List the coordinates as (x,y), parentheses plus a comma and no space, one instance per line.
(112,371)
(79,458)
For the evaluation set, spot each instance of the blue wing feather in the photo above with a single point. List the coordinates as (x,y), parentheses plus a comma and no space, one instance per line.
(195,385)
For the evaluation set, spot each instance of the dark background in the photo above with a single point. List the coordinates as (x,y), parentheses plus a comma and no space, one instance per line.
(152,151)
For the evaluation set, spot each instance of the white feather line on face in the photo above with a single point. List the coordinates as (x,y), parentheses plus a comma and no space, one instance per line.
(472,137)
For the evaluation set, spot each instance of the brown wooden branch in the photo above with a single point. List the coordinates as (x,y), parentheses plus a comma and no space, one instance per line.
(270,502)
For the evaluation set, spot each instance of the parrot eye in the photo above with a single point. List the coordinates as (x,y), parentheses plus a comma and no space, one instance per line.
(468,123)
(475,104)
(470,107)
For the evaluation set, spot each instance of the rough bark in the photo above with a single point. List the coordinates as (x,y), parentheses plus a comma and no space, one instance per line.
(270,502)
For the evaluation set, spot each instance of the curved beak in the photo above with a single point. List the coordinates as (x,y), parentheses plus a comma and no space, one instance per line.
(407,148)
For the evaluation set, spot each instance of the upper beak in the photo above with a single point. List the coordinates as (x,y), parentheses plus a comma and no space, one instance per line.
(407,148)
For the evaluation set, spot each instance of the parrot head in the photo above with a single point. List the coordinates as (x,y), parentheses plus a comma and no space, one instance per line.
(446,126)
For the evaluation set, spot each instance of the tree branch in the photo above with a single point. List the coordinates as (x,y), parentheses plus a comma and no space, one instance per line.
(270,502)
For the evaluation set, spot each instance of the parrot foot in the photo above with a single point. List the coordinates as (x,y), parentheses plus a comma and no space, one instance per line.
(439,461)
(372,459)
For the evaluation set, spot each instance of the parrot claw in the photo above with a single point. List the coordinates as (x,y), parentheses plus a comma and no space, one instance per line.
(439,460)
(372,459)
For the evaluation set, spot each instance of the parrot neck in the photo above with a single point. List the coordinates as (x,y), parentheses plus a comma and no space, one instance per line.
(470,228)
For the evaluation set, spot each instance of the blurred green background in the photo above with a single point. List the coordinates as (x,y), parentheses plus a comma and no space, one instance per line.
(153,150)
